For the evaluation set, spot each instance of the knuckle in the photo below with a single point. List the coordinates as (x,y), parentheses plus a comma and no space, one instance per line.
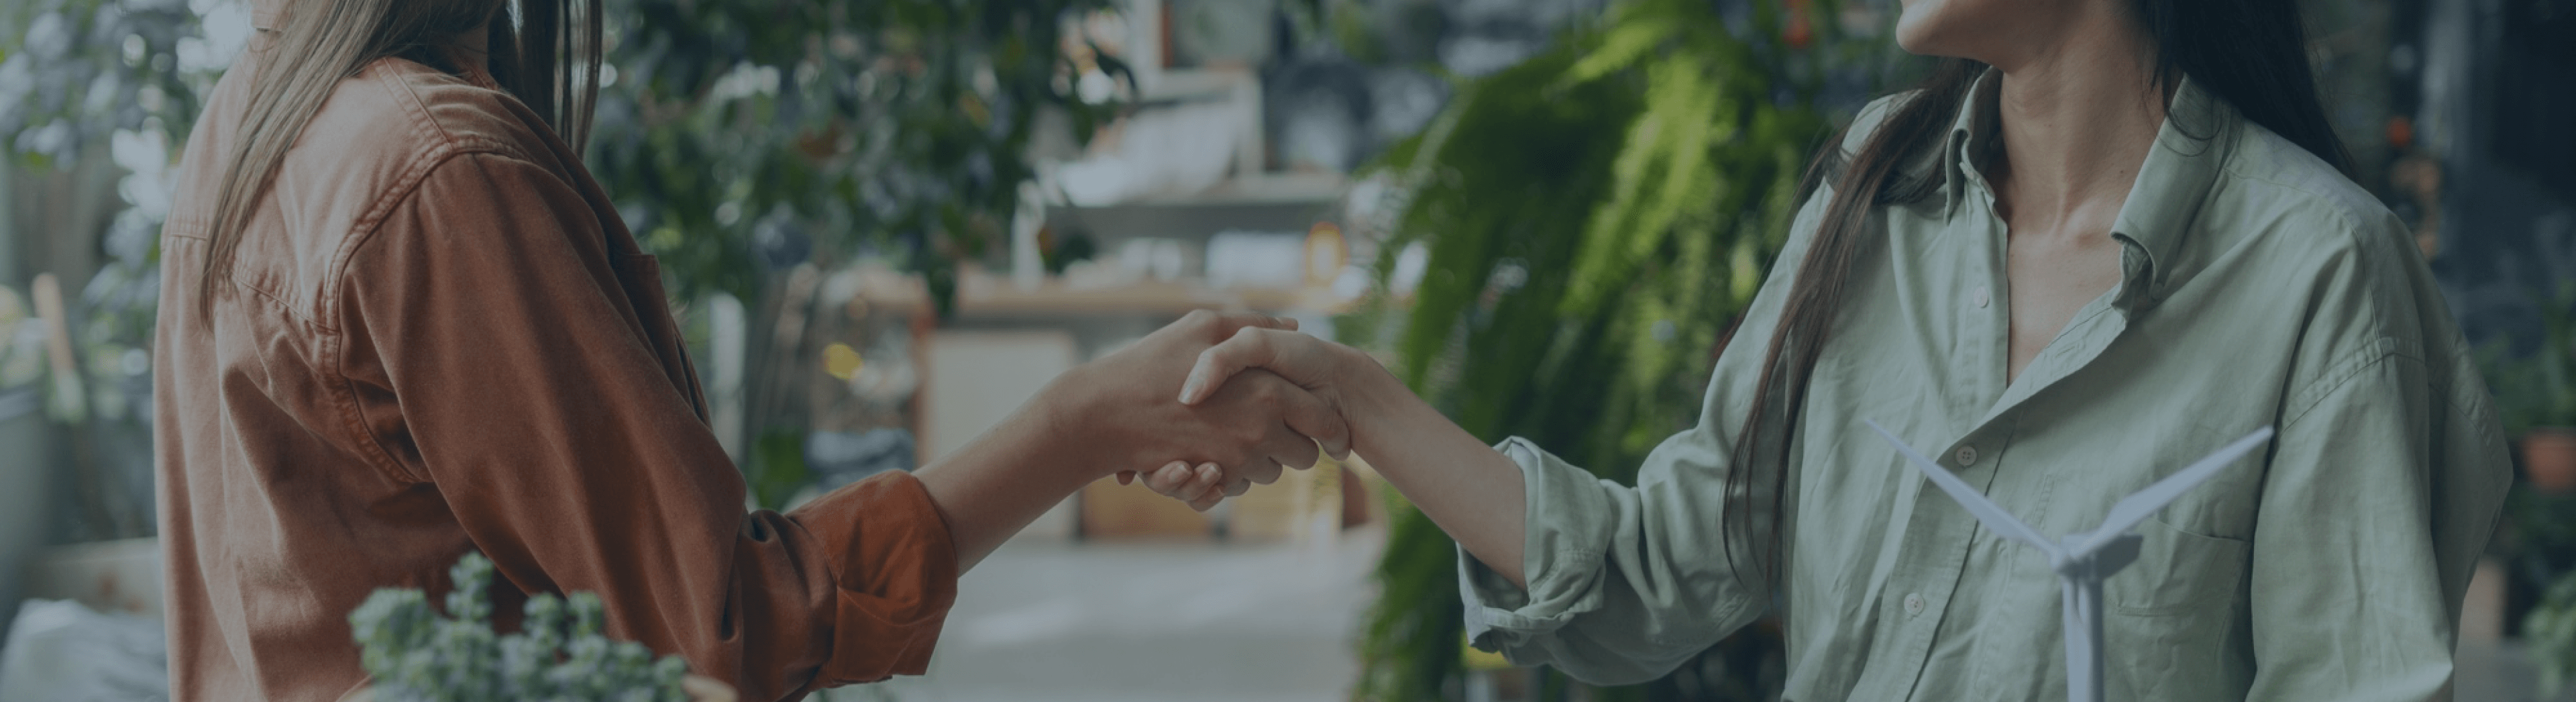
(1254,339)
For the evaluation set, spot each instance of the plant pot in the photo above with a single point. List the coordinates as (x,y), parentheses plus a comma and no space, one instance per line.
(2549,458)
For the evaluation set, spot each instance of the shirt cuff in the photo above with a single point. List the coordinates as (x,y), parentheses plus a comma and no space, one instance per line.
(1561,559)
(894,567)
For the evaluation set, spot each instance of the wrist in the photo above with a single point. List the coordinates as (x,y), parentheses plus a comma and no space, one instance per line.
(1370,398)
(1065,441)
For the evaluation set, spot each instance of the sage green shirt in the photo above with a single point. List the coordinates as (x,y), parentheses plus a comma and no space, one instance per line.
(2259,287)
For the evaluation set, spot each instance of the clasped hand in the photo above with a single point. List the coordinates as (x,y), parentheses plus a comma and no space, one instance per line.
(1255,401)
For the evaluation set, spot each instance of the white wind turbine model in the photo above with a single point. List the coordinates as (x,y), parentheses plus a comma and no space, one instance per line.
(2083,559)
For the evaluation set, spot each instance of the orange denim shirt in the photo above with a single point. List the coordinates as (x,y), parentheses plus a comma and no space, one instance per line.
(438,337)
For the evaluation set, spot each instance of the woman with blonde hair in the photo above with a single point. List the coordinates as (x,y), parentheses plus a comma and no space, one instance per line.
(401,322)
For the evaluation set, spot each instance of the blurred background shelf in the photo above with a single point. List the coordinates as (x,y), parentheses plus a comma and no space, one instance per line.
(981,296)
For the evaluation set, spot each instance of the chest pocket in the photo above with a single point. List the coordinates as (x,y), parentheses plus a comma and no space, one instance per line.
(2179,572)
(2171,611)
(641,276)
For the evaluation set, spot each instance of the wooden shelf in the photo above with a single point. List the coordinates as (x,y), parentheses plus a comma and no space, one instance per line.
(987,295)
(1255,189)
(1270,202)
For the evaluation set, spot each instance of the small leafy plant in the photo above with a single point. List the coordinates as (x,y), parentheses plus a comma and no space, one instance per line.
(2551,628)
(415,654)
(2538,390)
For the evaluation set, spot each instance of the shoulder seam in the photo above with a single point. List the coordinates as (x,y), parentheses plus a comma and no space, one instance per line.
(2306,398)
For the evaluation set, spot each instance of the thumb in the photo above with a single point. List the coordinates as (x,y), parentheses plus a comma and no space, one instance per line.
(1248,348)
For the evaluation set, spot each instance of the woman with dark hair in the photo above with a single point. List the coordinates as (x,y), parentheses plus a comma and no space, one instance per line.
(403,323)
(2106,237)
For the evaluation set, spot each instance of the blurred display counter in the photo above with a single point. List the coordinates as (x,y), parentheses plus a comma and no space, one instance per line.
(107,576)
(1309,506)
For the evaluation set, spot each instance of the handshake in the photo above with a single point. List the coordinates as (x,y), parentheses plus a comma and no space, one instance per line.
(1210,405)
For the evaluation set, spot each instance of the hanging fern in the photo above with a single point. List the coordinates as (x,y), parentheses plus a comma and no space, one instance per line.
(1595,218)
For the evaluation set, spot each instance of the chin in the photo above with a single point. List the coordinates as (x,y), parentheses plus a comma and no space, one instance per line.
(1961,28)
(1917,27)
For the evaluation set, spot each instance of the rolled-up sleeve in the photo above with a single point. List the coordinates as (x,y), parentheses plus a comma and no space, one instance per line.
(539,397)
(1624,583)
(1627,583)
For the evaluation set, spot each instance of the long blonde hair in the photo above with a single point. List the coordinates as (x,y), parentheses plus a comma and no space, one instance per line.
(544,52)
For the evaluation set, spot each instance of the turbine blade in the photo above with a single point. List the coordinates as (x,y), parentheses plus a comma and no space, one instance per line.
(1986,511)
(2139,505)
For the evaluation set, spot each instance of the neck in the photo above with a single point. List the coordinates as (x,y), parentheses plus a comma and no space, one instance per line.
(2077,119)
(475,45)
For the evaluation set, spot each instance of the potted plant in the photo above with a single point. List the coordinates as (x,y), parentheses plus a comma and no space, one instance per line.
(2536,396)
(414,654)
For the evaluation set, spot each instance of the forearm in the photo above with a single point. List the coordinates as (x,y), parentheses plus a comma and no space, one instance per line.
(1471,490)
(1000,482)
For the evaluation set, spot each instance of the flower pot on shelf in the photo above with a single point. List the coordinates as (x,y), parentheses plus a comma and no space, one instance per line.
(2549,458)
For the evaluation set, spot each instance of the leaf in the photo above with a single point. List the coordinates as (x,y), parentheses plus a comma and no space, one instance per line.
(1623,47)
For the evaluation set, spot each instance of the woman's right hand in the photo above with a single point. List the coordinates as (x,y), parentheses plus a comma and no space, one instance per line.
(1119,408)
(1116,414)
(1329,372)
(1471,490)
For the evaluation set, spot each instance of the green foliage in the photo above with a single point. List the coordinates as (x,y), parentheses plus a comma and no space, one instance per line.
(2539,390)
(743,136)
(2551,631)
(777,468)
(413,654)
(78,70)
(2538,537)
(1594,218)
(76,76)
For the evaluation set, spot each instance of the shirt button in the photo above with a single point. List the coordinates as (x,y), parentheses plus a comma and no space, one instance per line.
(1913,604)
(1967,455)
(1979,297)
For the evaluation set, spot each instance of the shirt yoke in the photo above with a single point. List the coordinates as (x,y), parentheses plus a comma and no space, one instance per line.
(363,154)
(2371,300)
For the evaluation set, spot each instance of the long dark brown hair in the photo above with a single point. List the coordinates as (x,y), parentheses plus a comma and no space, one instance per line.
(544,52)
(2250,54)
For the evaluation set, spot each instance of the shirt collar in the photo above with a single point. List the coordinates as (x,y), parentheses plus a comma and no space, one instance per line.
(2191,148)
(270,16)
(1971,131)
(2176,180)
